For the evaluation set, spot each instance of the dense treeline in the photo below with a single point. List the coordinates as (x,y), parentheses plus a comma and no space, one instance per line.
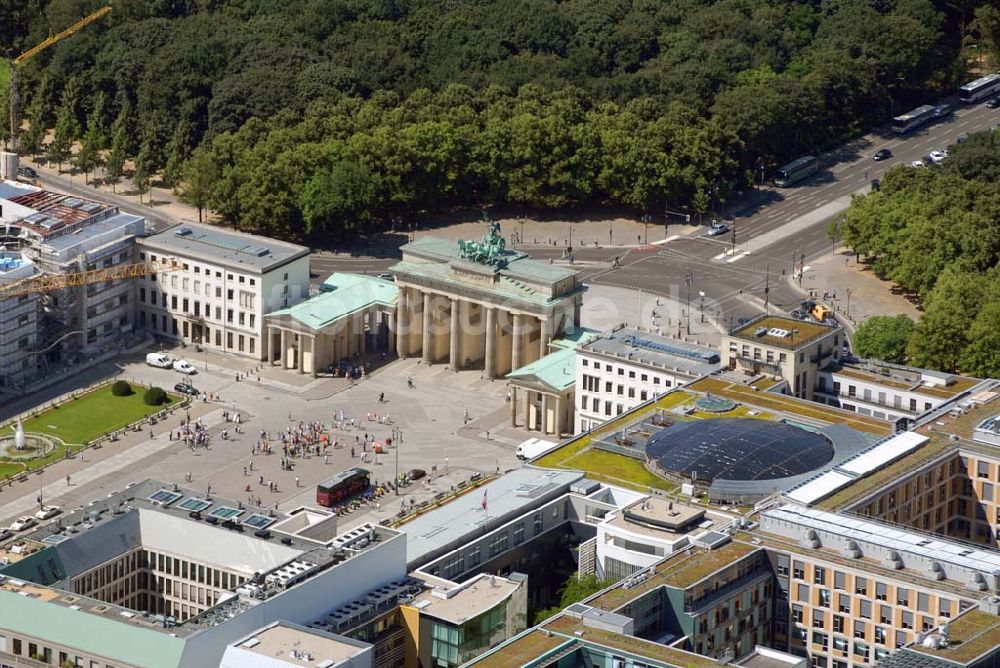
(361,108)
(936,232)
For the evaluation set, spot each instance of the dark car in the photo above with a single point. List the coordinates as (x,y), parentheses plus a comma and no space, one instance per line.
(882,154)
(5,534)
(993,103)
(942,110)
(808,305)
(184,388)
(27,172)
(416,474)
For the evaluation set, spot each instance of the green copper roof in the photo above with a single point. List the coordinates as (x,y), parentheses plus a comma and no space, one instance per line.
(580,336)
(341,295)
(503,287)
(517,264)
(117,640)
(557,369)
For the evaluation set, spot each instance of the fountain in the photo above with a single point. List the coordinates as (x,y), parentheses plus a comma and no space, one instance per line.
(19,436)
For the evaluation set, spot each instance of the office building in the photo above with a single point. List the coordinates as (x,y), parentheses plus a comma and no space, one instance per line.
(627,367)
(225,284)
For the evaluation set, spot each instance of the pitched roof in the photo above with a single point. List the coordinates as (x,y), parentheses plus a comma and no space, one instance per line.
(557,369)
(341,295)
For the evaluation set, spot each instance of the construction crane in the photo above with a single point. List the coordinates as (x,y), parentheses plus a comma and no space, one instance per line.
(49,282)
(15,100)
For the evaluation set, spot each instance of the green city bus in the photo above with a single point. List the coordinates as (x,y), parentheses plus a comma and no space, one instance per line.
(795,171)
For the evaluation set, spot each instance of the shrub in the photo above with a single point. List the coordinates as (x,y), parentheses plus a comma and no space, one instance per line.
(121,388)
(155,396)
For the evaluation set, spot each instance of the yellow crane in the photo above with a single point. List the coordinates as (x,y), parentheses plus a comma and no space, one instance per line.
(15,100)
(48,282)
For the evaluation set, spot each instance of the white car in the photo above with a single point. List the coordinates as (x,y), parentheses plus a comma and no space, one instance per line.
(937,157)
(22,523)
(45,512)
(917,163)
(184,367)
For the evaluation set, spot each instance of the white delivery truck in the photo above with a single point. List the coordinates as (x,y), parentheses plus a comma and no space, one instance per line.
(534,447)
(159,359)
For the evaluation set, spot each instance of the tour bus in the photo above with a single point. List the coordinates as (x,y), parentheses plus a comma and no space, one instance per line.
(795,171)
(979,89)
(342,486)
(912,120)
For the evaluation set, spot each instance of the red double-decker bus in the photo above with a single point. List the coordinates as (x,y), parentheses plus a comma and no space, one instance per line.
(342,486)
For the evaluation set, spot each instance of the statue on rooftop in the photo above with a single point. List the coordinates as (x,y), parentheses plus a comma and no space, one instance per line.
(490,250)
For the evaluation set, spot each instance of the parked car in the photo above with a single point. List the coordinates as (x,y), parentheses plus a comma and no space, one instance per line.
(942,110)
(45,512)
(186,388)
(717,229)
(882,154)
(416,474)
(917,163)
(386,276)
(22,523)
(5,534)
(160,360)
(27,172)
(184,367)
(937,157)
(799,314)
(993,102)
(808,305)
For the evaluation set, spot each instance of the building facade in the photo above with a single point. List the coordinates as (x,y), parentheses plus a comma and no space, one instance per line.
(627,367)
(783,348)
(225,285)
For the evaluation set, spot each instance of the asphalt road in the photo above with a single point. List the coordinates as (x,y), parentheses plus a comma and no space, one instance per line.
(780,229)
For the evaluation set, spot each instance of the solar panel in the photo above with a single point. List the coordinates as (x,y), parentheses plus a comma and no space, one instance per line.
(258,521)
(164,497)
(225,513)
(194,504)
(90,207)
(738,449)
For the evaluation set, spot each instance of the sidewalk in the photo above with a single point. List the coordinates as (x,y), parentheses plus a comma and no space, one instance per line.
(852,290)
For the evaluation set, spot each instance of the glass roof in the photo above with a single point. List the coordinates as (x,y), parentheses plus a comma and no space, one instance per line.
(738,449)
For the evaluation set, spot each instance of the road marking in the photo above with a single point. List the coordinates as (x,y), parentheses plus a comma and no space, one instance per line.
(738,257)
(672,237)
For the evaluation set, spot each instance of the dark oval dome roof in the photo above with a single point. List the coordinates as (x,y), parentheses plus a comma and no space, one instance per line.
(738,449)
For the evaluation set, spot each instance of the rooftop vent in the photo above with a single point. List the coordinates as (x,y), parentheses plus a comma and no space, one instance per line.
(779,333)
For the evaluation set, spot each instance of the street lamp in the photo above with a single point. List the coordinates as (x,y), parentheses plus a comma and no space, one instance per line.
(701,308)
(688,280)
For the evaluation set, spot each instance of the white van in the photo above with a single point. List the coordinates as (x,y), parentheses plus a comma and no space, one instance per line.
(159,359)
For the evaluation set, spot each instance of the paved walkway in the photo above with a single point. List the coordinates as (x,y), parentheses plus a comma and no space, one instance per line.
(852,289)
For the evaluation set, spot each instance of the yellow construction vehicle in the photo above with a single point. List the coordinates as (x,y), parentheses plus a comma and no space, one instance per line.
(821,312)
(49,282)
(15,100)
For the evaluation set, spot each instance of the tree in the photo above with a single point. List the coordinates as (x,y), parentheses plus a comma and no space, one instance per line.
(942,334)
(141,174)
(198,180)
(884,337)
(115,166)
(67,131)
(338,199)
(981,357)
(89,156)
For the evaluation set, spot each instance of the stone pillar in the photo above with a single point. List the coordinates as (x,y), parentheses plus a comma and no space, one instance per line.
(284,350)
(454,339)
(544,426)
(513,406)
(390,338)
(543,342)
(270,345)
(301,366)
(491,332)
(559,418)
(527,408)
(517,344)
(312,355)
(426,338)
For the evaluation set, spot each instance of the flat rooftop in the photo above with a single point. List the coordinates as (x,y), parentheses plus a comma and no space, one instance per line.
(292,644)
(654,351)
(431,534)
(521,650)
(464,602)
(243,252)
(888,475)
(970,635)
(680,571)
(47,213)
(790,406)
(907,379)
(663,514)
(800,332)
(518,264)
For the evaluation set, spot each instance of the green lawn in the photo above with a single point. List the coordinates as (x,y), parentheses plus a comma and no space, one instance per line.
(617,469)
(80,420)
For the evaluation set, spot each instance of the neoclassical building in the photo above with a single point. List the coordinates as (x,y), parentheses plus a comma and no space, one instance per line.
(481,305)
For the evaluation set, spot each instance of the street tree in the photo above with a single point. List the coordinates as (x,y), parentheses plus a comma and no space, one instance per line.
(884,337)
